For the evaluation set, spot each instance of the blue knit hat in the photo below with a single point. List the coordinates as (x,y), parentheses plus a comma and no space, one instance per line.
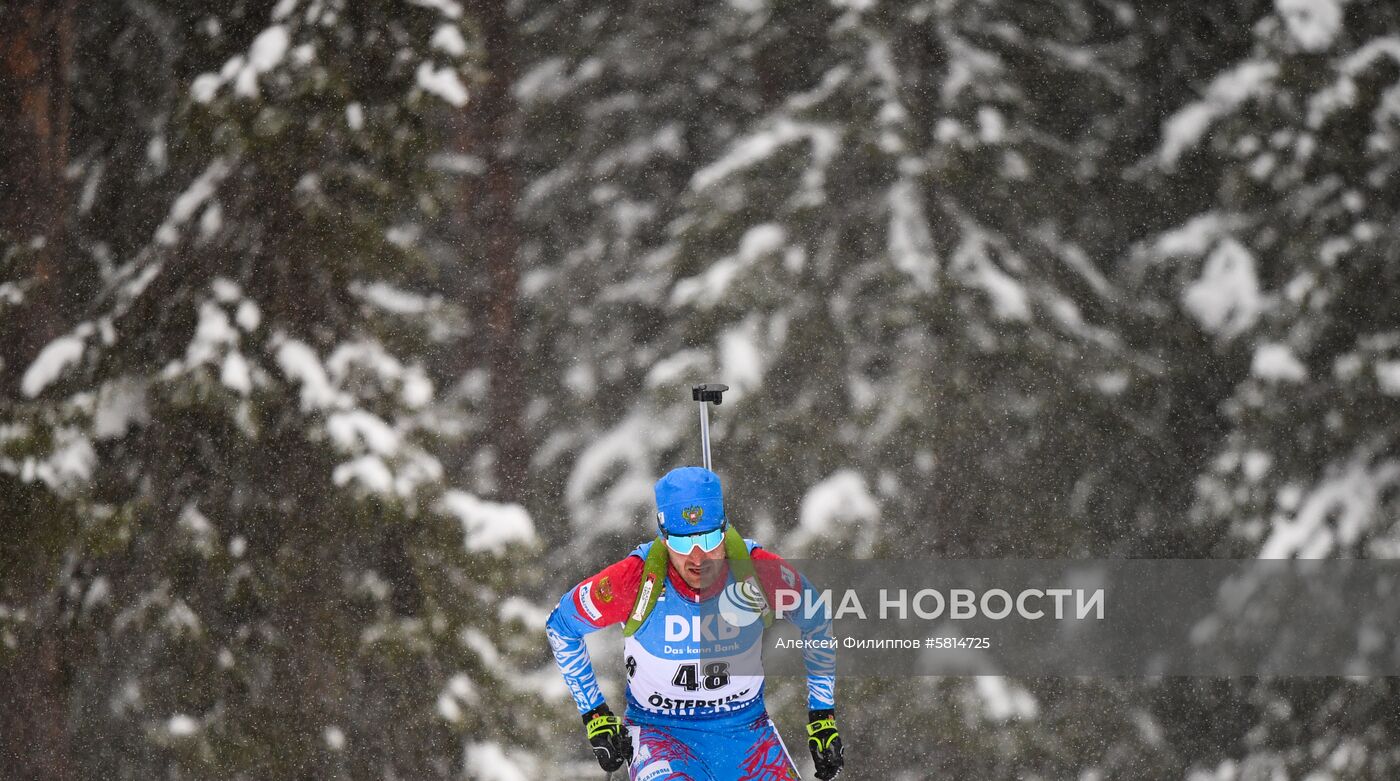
(689,501)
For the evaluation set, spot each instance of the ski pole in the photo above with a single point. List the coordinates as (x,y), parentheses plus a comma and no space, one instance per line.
(706,393)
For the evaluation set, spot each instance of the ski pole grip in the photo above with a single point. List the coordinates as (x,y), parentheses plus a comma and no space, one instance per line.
(709,391)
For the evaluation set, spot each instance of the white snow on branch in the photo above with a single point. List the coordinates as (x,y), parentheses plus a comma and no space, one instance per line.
(489,762)
(518,608)
(1185,129)
(364,359)
(1277,363)
(180,620)
(283,9)
(448,38)
(299,363)
(991,125)
(225,290)
(1344,92)
(367,366)
(968,66)
(269,48)
(546,80)
(237,373)
(194,196)
(761,240)
(442,82)
(838,508)
(334,737)
(709,287)
(181,726)
(840,499)
(1191,239)
(393,300)
(976,268)
(349,429)
(448,8)
(1226,298)
(910,240)
(248,315)
(213,334)
(417,388)
(1077,260)
(370,472)
(756,148)
(268,51)
(741,359)
(481,645)
(463,689)
(416,468)
(11,294)
(1366,56)
(56,358)
(1388,377)
(618,462)
(489,526)
(121,402)
(1314,24)
(212,220)
(205,87)
(449,710)
(677,368)
(1340,509)
(67,466)
(1004,700)
(411,469)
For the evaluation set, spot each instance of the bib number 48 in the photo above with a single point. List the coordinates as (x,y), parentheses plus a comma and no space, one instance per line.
(688,676)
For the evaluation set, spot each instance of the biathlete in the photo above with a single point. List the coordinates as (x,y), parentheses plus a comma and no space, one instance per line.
(695,602)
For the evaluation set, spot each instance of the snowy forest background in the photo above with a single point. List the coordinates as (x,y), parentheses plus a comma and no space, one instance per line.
(339,336)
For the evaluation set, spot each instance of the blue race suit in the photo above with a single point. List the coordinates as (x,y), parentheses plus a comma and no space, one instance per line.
(694,679)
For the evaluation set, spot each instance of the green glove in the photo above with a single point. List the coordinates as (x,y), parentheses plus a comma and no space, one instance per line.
(611,744)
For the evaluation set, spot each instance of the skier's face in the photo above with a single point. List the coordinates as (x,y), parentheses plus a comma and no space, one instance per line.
(698,568)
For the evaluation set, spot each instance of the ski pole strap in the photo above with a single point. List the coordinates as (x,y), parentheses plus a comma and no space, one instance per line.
(653,582)
(742,567)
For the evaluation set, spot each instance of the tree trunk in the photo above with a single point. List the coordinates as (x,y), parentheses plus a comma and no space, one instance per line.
(491,198)
(36,52)
(33,724)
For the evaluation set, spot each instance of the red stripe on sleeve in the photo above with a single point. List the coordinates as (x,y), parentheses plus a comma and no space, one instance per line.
(606,598)
(775,573)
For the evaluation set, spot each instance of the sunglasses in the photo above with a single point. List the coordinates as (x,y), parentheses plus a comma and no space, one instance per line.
(705,541)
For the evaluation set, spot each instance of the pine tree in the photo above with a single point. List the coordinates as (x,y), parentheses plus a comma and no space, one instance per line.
(1283,274)
(265,569)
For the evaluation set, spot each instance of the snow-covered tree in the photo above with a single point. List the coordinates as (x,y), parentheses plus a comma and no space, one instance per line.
(987,279)
(261,566)
(1286,273)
